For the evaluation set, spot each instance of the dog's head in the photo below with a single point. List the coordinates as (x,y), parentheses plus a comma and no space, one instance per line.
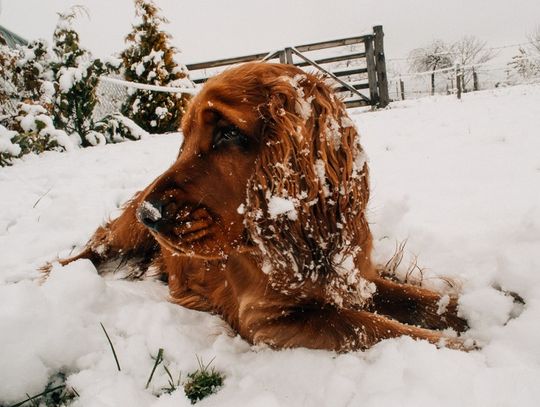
(271,164)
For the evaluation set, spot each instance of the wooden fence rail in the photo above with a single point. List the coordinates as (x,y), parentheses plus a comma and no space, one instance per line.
(357,69)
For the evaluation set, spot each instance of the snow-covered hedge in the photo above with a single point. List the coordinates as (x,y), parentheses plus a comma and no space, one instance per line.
(116,128)
(48,95)
(32,130)
(8,147)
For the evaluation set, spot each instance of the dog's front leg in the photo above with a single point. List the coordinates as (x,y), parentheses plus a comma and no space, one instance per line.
(122,237)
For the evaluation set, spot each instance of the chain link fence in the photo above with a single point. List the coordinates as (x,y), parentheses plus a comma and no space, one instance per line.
(111,93)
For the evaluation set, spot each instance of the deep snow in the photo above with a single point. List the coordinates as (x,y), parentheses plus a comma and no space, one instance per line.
(459,179)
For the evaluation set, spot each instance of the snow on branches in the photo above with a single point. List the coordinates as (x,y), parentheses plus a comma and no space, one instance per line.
(48,96)
(76,76)
(150,59)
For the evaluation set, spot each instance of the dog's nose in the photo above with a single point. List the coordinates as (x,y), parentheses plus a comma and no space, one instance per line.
(150,214)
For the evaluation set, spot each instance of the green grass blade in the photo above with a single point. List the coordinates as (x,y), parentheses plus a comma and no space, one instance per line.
(159,359)
(112,347)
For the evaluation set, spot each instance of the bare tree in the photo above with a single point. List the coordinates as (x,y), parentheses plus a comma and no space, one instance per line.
(437,55)
(470,50)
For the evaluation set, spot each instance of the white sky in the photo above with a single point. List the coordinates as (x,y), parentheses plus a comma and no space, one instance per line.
(211,29)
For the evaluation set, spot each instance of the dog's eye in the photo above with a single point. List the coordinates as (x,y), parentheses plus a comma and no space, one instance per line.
(230,135)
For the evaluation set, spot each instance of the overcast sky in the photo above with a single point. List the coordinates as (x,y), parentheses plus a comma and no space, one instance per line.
(211,29)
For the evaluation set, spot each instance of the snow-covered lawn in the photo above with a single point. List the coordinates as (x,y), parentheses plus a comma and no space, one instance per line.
(459,179)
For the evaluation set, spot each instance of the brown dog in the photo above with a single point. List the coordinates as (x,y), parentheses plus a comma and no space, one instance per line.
(261,219)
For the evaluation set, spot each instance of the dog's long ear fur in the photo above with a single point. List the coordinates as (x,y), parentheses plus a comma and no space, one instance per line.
(306,202)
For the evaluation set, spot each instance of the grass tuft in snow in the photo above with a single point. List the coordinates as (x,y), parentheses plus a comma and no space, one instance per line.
(112,347)
(172,385)
(203,382)
(56,394)
(159,359)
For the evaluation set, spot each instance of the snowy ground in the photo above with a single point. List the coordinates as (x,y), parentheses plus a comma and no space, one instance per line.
(459,180)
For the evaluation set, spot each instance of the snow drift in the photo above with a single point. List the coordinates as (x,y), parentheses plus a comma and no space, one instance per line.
(458,179)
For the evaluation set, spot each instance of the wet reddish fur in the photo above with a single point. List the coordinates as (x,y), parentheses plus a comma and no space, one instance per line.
(221,272)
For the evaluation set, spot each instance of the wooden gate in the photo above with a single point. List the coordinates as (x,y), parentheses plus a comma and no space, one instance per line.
(356,65)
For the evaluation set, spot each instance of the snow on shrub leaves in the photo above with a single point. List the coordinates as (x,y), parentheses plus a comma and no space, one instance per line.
(76,76)
(48,95)
(151,59)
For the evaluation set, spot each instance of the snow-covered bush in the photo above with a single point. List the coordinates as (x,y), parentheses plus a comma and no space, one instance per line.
(116,128)
(26,96)
(8,86)
(48,96)
(8,148)
(76,76)
(151,59)
(25,75)
(31,130)
(34,74)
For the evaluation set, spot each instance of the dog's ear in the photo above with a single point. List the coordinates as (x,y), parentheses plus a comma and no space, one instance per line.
(306,202)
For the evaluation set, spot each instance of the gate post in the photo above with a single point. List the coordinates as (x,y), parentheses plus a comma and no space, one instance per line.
(380,62)
(371,70)
(288,56)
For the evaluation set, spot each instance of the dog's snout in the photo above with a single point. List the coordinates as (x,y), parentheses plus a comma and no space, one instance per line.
(150,214)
